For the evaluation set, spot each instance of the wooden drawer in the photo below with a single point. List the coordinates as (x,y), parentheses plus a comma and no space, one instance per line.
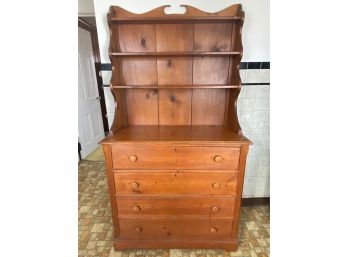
(170,157)
(172,228)
(176,182)
(175,205)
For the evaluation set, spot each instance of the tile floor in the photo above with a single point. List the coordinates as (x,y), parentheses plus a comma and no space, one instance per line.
(95,224)
(96,155)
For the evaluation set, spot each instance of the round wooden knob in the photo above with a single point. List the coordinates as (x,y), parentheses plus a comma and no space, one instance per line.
(214,209)
(216,185)
(134,185)
(218,158)
(213,230)
(136,208)
(138,229)
(133,158)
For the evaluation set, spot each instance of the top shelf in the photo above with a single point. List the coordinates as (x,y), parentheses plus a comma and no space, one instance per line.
(176,19)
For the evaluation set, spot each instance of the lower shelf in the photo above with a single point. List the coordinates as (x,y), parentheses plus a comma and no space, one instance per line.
(227,244)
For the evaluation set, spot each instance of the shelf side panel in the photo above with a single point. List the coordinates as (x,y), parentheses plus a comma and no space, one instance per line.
(120,116)
(231,117)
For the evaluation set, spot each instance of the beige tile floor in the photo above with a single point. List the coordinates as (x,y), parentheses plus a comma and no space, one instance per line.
(96,155)
(95,224)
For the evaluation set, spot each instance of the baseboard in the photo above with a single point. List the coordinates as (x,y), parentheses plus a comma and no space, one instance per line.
(255,201)
(79,150)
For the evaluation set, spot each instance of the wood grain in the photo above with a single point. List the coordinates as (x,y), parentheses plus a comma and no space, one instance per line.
(167,36)
(228,244)
(171,135)
(175,107)
(212,37)
(137,38)
(111,187)
(208,106)
(175,205)
(139,71)
(142,107)
(175,157)
(181,157)
(178,182)
(157,228)
(174,71)
(119,15)
(210,70)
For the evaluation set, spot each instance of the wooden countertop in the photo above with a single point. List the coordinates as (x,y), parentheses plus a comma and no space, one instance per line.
(176,134)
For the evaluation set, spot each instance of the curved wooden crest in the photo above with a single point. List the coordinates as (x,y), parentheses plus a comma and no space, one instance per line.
(191,12)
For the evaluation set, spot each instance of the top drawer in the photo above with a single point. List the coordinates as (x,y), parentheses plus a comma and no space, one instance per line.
(171,157)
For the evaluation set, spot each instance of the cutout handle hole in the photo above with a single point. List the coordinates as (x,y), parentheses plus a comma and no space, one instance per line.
(175,9)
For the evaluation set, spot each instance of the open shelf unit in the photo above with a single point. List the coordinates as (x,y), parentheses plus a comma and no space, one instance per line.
(176,69)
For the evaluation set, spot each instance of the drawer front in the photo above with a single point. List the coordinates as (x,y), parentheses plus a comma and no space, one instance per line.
(175,205)
(171,228)
(170,157)
(176,182)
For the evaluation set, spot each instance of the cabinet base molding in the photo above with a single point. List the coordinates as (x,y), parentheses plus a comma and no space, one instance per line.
(123,244)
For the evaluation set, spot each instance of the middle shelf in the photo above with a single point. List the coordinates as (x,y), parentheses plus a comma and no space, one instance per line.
(172,54)
(173,86)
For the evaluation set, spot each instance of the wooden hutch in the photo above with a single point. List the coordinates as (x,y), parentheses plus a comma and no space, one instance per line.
(175,156)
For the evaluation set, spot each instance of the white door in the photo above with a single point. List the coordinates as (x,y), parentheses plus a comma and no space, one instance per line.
(90,118)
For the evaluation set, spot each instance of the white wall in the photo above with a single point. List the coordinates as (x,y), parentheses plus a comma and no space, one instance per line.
(255,30)
(86,7)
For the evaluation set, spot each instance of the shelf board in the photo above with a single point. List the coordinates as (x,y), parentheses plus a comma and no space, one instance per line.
(176,19)
(174,86)
(172,54)
(176,134)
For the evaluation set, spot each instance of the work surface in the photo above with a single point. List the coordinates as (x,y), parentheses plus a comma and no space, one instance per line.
(218,134)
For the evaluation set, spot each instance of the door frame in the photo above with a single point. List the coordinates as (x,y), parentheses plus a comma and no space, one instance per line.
(96,54)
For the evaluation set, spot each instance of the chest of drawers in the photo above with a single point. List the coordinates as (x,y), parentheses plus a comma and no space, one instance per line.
(175,156)
(175,194)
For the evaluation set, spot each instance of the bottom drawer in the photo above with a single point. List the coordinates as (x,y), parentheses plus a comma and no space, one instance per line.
(167,228)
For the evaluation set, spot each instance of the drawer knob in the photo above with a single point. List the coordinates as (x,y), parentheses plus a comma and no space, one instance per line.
(134,185)
(214,209)
(218,158)
(136,208)
(138,229)
(216,185)
(213,230)
(133,158)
